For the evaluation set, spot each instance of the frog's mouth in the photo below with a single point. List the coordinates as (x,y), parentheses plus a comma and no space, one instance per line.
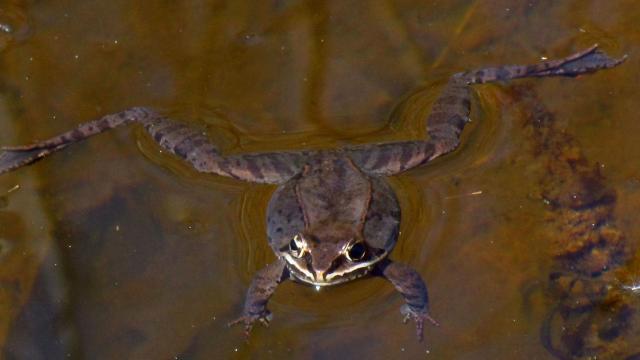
(337,276)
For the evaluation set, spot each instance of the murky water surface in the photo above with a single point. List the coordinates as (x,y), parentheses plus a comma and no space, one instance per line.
(112,249)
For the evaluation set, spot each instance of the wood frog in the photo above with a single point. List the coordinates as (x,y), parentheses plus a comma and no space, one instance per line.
(333,217)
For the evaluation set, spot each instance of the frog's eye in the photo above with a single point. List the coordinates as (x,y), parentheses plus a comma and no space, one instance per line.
(356,252)
(296,246)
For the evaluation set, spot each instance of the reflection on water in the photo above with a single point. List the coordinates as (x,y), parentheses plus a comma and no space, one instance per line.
(107,253)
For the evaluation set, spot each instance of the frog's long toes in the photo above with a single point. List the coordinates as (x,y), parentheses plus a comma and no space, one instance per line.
(235,322)
(420,329)
(433,321)
(265,321)
(19,147)
(247,331)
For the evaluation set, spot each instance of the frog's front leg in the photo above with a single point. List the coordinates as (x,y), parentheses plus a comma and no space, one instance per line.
(263,285)
(410,284)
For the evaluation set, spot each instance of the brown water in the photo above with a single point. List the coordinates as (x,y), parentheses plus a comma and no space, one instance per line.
(113,250)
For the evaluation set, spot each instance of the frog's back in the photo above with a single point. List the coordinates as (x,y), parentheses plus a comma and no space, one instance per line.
(332,197)
(333,191)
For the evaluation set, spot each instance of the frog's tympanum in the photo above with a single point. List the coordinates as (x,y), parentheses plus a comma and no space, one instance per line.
(333,217)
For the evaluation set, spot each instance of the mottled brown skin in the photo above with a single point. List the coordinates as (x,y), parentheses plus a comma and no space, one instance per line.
(333,218)
(592,315)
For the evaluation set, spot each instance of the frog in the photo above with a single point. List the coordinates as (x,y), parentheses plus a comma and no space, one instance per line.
(333,217)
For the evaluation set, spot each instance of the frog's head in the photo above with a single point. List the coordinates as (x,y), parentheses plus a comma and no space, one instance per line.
(330,255)
(332,252)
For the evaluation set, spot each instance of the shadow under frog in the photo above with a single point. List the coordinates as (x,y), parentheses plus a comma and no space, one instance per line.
(333,217)
(593,311)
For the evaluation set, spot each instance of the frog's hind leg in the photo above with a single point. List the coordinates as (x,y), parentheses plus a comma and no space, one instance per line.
(584,62)
(450,112)
(14,157)
(190,144)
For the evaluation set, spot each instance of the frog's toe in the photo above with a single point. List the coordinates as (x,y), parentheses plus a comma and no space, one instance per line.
(418,316)
(266,318)
(248,320)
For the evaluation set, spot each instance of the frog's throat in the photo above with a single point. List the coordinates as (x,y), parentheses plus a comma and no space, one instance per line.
(356,271)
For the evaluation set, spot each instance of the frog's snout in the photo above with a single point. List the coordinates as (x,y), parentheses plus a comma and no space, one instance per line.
(323,261)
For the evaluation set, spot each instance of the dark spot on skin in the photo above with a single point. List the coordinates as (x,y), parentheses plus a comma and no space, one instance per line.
(280,166)
(211,151)
(502,74)
(197,141)
(158,136)
(530,68)
(466,102)
(458,122)
(103,124)
(290,217)
(184,146)
(374,215)
(76,134)
(172,128)
(437,118)
(406,155)
(224,167)
(450,100)
(383,158)
(253,168)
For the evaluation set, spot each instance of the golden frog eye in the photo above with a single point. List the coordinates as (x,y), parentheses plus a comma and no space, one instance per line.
(296,246)
(356,252)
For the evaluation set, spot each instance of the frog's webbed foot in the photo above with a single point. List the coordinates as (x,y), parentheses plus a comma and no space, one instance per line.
(587,61)
(12,158)
(248,319)
(584,62)
(418,316)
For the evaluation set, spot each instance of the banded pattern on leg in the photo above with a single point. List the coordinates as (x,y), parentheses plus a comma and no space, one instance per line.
(195,147)
(449,115)
(390,158)
(450,112)
(583,62)
(14,157)
(187,143)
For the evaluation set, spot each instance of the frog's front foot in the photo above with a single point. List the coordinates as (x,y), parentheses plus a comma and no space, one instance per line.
(248,319)
(419,316)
